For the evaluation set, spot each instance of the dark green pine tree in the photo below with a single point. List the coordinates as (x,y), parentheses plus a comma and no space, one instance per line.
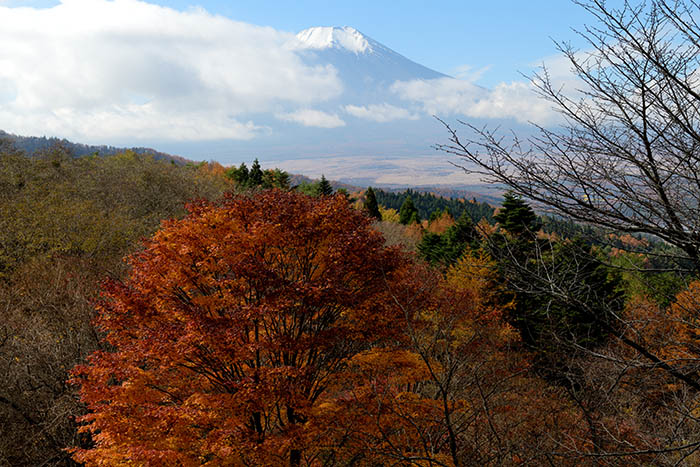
(281,179)
(255,177)
(371,206)
(517,217)
(268,179)
(433,248)
(580,314)
(238,175)
(324,188)
(448,248)
(571,307)
(459,237)
(408,214)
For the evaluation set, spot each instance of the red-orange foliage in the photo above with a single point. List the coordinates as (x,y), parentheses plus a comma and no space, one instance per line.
(671,334)
(441,224)
(230,329)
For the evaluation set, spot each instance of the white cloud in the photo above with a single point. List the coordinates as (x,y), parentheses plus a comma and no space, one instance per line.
(380,112)
(469,73)
(313,118)
(449,96)
(124,69)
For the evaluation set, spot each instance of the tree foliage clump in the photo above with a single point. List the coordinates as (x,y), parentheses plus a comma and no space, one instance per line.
(91,207)
(320,187)
(455,393)
(323,187)
(447,248)
(239,317)
(516,216)
(428,203)
(255,177)
(408,214)
(65,224)
(47,309)
(564,296)
(371,206)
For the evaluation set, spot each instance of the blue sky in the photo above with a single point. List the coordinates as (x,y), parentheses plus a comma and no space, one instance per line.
(499,38)
(505,35)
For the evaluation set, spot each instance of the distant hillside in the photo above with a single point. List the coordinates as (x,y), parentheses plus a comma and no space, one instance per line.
(32,145)
(35,144)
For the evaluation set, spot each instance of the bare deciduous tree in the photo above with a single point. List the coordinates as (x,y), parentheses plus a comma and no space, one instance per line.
(627,157)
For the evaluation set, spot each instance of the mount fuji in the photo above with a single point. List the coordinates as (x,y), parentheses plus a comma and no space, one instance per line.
(377,128)
(365,65)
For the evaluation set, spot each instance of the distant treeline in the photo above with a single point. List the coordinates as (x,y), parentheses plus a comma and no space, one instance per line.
(427,203)
(32,145)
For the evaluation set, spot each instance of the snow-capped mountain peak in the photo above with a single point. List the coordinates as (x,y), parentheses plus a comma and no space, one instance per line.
(345,38)
(367,67)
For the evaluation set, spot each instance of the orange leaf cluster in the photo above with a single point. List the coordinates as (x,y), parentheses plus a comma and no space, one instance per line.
(441,224)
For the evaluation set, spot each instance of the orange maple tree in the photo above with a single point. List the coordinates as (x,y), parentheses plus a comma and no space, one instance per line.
(231,328)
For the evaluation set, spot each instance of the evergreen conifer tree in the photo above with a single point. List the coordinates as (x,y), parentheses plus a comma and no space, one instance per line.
(577,315)
(516,216)
(432,248)
(448,248)
(255,177)
(371,205)
(459,236)
(408,214)
(324,188)
(281,179)
(238,175)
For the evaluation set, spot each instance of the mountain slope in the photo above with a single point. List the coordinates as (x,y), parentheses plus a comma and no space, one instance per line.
(362,62)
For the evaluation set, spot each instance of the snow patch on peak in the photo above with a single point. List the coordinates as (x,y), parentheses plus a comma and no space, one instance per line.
(346,38)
